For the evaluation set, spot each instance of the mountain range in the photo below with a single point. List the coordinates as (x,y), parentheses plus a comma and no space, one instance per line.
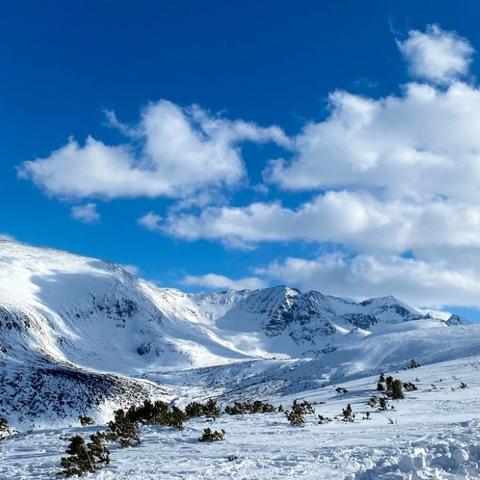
(82,334)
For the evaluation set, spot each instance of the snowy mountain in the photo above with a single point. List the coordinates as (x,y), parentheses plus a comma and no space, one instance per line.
(75,328)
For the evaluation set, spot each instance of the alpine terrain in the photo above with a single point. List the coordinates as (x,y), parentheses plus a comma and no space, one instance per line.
(83,336)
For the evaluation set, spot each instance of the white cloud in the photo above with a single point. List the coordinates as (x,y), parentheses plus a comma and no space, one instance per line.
(85,213)
(151,222)
(436,55)
(417,282)
(422,144)
(183,150)
(357,219)
(214,281)
(132,269)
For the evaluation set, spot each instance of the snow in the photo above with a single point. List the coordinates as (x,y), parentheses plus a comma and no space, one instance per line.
(81,335)
(435,435)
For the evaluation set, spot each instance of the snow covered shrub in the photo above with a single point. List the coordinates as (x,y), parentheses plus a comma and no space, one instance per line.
(372,401)
(123,430)
(367,416)
(463,385)
(84,457)
(209,436)
(341,390)
(86,420)
(348,415)
(382,378)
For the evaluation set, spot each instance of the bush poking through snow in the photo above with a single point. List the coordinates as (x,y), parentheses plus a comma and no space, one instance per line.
(84,457)
(395,391)
(296,416)
(157,413)
(5,429)
(212,410)
(239,408)
(380,387)
(413,364)
(348,415)
(209,436)
(322,420)
(86,420)
(383,403)
(123,430)
(341,390)
(194,409)
(409,387)
(463,385)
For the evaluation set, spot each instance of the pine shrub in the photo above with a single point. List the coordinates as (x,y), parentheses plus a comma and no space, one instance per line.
(123,430)
(84,457)
(209,436)
(86,420)
(348,415)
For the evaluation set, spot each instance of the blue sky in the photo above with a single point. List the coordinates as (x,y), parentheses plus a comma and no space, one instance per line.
(217,145)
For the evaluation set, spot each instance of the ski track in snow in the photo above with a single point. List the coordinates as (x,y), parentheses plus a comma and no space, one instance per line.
(436,435)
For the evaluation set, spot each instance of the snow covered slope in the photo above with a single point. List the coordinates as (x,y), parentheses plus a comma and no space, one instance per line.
(73,327)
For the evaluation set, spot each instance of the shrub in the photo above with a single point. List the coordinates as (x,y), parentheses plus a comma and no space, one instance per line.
(341,390)
(383,403)
(86,420)
(295,417)
(409,387)
(322,419)
(380,387)
(367,416)
(396,391)
(84,457)
(382,378)
(5,429)
(413,364)
(372,401)
(194,409)
(157,413)
(123,430)
(209,436)
(463,385)
(348,415)
(211,409)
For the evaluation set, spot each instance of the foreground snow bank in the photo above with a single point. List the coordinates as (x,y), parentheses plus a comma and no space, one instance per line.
(445,459)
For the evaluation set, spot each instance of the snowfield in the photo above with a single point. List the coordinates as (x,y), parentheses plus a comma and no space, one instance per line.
(435,434)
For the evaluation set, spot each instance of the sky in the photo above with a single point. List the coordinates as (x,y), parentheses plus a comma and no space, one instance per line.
(330,146)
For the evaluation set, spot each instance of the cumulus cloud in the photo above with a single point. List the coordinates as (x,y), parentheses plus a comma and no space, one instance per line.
(214,281)
(417,282)
(85,213)
(356,219)
(151,221)
(436,55)
(183,150)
